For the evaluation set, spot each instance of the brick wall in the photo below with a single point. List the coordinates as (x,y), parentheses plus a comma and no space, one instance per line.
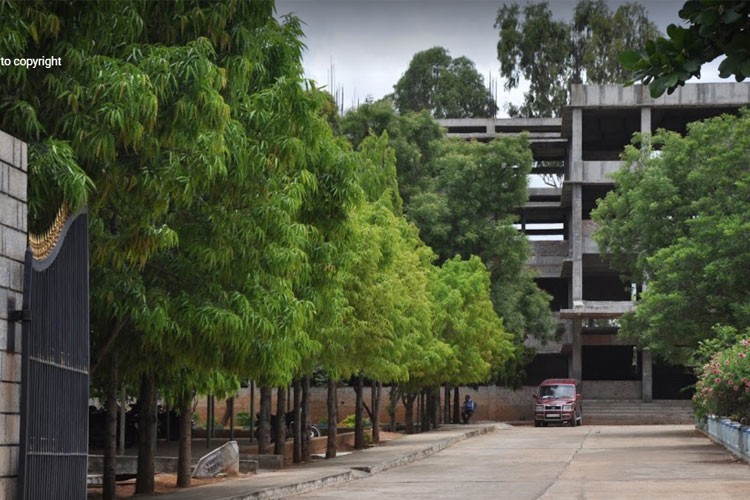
(13,228)
(493,403)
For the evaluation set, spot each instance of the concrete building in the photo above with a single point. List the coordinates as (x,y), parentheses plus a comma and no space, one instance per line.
(581,150)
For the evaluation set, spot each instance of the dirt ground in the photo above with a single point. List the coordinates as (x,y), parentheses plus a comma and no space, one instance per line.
(165,483)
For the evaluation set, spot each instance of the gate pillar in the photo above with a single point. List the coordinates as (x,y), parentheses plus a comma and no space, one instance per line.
(13,237)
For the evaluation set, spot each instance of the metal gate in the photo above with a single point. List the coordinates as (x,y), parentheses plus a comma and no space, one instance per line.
(53,457)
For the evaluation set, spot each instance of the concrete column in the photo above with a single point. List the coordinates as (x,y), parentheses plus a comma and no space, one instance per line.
(576,367)
(646,120)
(13,238)
(576,222)
(647,377)
(576,236)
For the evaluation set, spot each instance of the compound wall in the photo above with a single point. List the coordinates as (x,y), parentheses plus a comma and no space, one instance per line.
(13,238)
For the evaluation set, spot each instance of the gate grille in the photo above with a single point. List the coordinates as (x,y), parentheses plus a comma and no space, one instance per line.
(54,394)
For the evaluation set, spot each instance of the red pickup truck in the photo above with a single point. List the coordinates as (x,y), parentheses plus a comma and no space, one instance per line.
(559,401)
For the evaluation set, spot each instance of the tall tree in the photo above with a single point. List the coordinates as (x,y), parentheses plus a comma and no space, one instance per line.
(412,136)
(209,160)
(469,209)
(677,222)
(447,87)
(466,320)
(714,29)
(551,54)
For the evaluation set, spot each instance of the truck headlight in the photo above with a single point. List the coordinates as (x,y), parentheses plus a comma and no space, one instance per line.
(539,408)
(567,407)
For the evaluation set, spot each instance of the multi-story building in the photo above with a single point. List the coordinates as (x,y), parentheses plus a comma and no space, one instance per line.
(576,155)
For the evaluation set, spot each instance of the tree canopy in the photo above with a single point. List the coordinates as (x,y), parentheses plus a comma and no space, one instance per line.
(447,87)
(551,54)
(677,222)
(714,29)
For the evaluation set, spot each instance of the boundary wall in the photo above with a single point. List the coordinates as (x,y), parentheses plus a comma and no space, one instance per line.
(13,239)
(732,435)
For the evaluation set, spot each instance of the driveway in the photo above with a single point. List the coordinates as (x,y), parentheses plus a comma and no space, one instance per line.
(589,462)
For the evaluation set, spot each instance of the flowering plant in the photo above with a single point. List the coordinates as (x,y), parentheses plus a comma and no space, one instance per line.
(723,386)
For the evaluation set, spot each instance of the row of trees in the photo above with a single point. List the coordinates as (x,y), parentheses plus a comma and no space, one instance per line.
(234,235)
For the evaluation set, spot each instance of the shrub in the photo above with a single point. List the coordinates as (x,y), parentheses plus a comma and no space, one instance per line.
(348,422)
(723,386)
(243,419)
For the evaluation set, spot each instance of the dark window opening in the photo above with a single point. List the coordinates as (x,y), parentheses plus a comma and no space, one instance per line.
(590,196)
(611,363)
(606,287)
(672,381)
(677,120)
(467,129)
(607,132)
(545,366)
(558,288)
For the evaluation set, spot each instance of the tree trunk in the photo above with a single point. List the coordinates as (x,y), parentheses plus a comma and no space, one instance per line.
(109,472)
(305,418)
(144,481)
(435,406)
(185,452)
(230,410)
(456,407)
(408,399)
(359,410)
(280,437)
(447,405)
(393,397)
(376,412)
(297,449)
(421,412)
(264,422)
(333,418)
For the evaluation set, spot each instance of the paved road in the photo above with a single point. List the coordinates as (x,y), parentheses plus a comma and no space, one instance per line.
(589,462)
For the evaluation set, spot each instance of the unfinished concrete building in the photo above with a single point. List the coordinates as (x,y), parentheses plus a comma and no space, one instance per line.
(577,153)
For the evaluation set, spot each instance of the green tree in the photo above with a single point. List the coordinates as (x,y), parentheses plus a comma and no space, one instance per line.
(412,136)
(466,320)
(447,87)
(551,54)
(209,161)
(469,209)
(677,222)
(714,29)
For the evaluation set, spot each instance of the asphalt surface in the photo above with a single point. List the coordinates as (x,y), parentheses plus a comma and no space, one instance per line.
(517,463)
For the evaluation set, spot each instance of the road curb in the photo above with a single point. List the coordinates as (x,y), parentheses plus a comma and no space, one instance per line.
(424,453)
(297,488)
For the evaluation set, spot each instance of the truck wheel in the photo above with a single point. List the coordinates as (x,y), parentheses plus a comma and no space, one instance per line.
(537,423)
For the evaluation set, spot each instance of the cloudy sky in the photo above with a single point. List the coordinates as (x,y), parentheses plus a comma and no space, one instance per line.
(368,43)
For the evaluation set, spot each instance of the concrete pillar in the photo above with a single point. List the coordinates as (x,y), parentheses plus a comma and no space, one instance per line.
(576,367)
(13,238)
(647,377)
(576,221)
(576,236)
(646,120)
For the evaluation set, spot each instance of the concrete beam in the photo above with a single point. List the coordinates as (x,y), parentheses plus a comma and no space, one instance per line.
(597,309)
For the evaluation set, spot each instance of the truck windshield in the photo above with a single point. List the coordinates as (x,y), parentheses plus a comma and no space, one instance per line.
(557,391)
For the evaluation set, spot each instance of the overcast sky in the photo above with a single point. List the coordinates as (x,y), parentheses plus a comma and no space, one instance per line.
(369,43)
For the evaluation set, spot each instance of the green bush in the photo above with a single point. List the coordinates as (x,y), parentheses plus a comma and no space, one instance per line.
(723,387)
(348,422)
(243,419)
